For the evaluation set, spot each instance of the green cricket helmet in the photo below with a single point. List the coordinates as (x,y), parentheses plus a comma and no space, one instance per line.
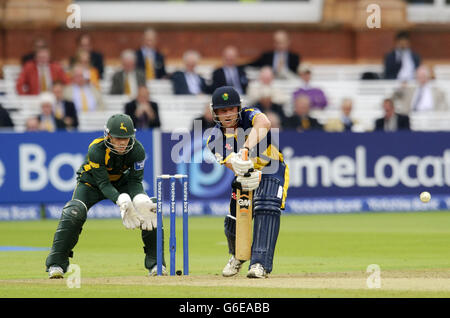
(119,126)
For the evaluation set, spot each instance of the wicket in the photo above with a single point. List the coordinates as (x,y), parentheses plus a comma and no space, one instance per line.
(159,213)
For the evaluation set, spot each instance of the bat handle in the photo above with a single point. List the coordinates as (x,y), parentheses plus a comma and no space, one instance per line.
(244,152)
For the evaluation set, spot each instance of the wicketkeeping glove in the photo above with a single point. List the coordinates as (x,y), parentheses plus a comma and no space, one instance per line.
(146,208)
(130,219)
(240,166)
(250,181)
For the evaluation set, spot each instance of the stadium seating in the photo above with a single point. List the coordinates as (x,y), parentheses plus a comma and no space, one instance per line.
(337,81)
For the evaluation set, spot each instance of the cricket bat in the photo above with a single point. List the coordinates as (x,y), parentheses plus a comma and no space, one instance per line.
(244,206)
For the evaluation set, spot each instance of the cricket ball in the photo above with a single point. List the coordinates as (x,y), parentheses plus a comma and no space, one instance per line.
(425,196)
(178,272)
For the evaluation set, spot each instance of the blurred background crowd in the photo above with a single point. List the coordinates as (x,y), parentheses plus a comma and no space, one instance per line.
(80,90)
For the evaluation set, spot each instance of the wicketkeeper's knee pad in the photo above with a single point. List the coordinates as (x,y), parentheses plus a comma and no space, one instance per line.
(73,216)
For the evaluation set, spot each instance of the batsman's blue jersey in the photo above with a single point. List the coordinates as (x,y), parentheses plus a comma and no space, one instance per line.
(266,155)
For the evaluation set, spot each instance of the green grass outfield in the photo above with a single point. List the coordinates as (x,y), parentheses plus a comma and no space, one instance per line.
(316,256)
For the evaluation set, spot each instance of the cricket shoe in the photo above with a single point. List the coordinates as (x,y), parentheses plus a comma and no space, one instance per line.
(257,271)
(233,267)
(55,272)
(154,271)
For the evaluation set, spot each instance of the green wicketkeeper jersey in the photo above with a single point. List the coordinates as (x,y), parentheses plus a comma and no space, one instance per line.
(105,170)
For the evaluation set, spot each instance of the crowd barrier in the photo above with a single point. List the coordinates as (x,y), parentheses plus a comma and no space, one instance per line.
(329,172)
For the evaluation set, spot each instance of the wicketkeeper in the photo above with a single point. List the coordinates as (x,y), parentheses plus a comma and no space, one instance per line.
(113,169)
(264,172)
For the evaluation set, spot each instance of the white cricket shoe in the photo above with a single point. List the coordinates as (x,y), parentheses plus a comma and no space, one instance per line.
(257,271)
(232,268)
(154,271)
(55,272)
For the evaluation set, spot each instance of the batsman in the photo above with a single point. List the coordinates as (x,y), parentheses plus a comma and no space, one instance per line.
(242,141)
(114,170)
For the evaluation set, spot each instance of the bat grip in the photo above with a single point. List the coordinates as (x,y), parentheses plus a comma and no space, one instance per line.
(244,154)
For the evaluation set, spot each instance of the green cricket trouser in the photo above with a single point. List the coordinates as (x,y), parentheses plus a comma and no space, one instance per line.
(72,220)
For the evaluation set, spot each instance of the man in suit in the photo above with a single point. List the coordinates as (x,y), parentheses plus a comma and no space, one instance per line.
(142,111)
(345,122)
(230,74)
(47,120)
(420,96)
(301,120)
(38,75)
(401,62)
(149,59)
(5,119)
(127,80)
(83,94)
(391,121)
(188,82)
(84,43)
(283,61)
(64,109)
(266,104)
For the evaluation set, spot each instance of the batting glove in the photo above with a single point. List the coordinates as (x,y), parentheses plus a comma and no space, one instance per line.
(130,219)
(240,166)
(250,181)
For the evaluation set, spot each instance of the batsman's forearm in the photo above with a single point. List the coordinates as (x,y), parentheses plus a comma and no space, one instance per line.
(259,131)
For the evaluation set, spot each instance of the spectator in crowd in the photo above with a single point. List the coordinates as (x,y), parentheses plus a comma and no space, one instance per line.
(391,121)
(47,120)
(423,95)
(301,119)
(64,109)
(283,61)
(262,85)
(143,111)
(315,94)
(82,93)
(266,104)
(188,82)
(83,59)
(149,59)
(128,78)
(230,74)
(38,75)
(345,122)
(275,122)
(84,43)
(5,119)
(32,124)
(401,62)
(38,43)
(206,120)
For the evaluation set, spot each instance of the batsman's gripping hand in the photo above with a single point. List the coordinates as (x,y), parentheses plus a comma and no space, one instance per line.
(240,166)
(249,181)
(146,208)
(130,219)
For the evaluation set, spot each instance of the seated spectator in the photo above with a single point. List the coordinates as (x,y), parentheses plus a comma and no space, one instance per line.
(345,122)
(401,62)
(5,119)
(84,95)
(38,43)
(265,104)
(283,62)
(206,120)
(127,80)
(47,120)
(420,96)
(315,94)
(64,109)
(149,59)
(264,83)
(275,122)
(391,121)
(84,43)
(188,82)
(301,120)
(83,59)
(32,124)
(38,75)
(230,74)
(142,111)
